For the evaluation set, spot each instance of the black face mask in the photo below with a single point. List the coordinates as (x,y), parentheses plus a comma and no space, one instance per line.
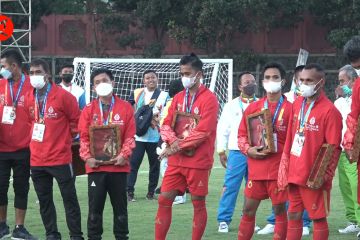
(67,77)
(249,89)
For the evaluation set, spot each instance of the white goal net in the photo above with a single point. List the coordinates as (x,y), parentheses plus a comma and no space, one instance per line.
(218,74)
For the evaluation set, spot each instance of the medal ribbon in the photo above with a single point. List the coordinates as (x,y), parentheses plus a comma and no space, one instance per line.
(280,102)
(40,115)
(14,101)
(109,117)
(303,119)
(188,108)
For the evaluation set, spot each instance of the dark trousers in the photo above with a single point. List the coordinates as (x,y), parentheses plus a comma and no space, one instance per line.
(19,163)
(99,184)
(136,160)
(43,183)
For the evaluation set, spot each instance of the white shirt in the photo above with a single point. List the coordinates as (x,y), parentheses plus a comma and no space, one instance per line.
(344,106)
(74,89)
(228,125)
(290,96)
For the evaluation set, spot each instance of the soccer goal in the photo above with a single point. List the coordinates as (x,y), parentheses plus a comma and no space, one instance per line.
(218,74)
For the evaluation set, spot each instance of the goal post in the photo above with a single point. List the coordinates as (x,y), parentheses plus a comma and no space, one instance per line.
(218,74)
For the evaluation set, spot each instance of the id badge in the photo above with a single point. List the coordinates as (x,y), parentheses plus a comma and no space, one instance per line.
(38,132)
(298,144)
(8,116)
(275,141)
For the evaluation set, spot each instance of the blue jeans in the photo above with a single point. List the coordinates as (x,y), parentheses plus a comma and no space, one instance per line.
(236,170)
(306,220)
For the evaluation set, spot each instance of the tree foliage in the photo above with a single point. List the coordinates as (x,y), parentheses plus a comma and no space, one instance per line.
(210,25)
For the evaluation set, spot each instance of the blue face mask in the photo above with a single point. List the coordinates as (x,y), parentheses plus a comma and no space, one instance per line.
(347,91)
(5,73)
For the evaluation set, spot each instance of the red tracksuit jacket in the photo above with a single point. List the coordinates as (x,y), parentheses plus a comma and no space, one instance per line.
(351,121)
(61,119)
(267,168)
(323,125)
(123,117)
(16,136)
(202,137)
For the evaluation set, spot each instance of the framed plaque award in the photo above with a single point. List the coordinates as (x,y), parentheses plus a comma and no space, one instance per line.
(260,131)
(316,177)
(356,148)
(77,162)
(104,142)
(183,123)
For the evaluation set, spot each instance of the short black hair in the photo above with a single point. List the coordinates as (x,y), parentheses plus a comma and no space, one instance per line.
(276,65)
(12,56)
(40,62)
(193,60)
(299,68)
(67,66)
(175,87)
(316,66)
(242,74)
(149,71)
(100,71)
(352,49)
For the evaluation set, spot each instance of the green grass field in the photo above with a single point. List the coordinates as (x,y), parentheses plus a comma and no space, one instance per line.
(142,212)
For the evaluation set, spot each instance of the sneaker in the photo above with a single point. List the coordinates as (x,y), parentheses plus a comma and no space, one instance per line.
(358,235)
(150,196)
(306,231)
(131,197)
(223,227)
(180,199)
(4,231)
(257,228)
(268,229)
(351,228)
(20,233)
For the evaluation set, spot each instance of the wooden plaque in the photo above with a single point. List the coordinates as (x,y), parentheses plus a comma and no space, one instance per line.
(260,131)
(356,148)
(183,123)
(77,162)
(316,177)
(104,142)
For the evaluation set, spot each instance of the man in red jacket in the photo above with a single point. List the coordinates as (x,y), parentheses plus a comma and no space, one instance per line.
(14,142)
(315,122)
(107,109)
(352,52)
(186,171)
(262,167)
(54,114)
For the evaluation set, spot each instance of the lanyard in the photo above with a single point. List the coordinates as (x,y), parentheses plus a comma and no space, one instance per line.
(280,102)
(248,101)
(15,101)
(303,119)
(37,106)
(106,121)
(188,108)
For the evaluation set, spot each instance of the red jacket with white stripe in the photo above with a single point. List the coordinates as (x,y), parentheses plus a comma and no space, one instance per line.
(202,137)
(323,125)
(61,119)
(15,136)
(122,117)
(267,168)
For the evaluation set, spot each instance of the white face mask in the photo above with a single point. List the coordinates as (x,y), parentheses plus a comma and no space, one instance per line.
(37,81)
(104,89)
(357,72)
(308,90)
(5,73)
(272,87)
(188,82)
